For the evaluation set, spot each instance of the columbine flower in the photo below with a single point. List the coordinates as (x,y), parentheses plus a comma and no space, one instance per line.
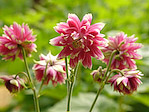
(80,40)
(98,74)
(128,83)
(126,51)
(13,83)
(14,38)
(55,69)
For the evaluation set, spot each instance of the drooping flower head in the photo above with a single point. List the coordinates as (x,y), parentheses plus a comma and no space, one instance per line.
(55,70)
(126,51)
(13,83)
(80,40)
(128,83)
(14,38)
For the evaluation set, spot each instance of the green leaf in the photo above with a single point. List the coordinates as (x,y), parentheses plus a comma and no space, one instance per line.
(82,103)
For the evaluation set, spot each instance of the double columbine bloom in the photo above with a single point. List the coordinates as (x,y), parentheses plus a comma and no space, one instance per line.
(80,40)
(126,51)
(14,39)
(128,82)
(49,68)
(13,83)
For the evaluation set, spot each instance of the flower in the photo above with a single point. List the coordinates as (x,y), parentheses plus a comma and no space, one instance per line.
(126,51)
(14,39)
(128,83)
(55,70)
(13,83)
(80,40)
(98,74)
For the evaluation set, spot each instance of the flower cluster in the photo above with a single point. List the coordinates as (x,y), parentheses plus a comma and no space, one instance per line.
(126,53)
(14,39)
(49,68)
(80,40)
(13,83)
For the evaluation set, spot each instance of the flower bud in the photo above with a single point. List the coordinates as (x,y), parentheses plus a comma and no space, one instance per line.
(98,74)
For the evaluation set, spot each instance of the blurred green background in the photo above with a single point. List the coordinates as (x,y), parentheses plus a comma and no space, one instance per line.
(130,16)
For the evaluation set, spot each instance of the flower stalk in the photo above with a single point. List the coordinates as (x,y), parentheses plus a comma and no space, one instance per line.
(36,103)
(70,89)
(105,79)
(66,65)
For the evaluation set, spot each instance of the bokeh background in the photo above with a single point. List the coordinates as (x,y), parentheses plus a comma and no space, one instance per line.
(130,16)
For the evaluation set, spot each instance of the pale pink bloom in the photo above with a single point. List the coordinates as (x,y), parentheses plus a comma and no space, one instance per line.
(128,83)
(80,40)
(14,38)
(13,83)
(126,51)
(55,69)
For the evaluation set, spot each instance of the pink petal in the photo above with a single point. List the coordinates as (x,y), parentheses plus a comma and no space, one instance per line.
(61,28)
(39,74)
(87,18)
(65,52)
(98,26)
(75,20)
(95,52)
(73,62)
(87,62)
(57,41)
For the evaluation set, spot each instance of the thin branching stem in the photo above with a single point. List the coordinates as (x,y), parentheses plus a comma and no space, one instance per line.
(36,103)
(72,82)
(105,79)
(66,65)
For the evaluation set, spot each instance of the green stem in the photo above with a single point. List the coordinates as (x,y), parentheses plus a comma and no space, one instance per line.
(121,98)
(98,92)
(40,88)
(36,103)
(66,65)
(23,74)
(105,79)
(109,64)
(71,88)
(118,71)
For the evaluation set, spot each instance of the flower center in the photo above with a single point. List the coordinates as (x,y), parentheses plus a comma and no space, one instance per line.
(19,45)
(117,55)
(51,63)
(77,43)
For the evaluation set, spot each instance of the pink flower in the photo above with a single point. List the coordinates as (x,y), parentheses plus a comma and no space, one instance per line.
(128,83)
(126,51)
(80,40)
(13,84)
(14,38)
(55,69)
